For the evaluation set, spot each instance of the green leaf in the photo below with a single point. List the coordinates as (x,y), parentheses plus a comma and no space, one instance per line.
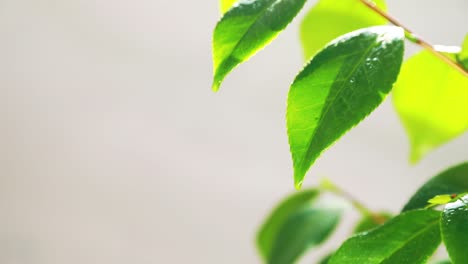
(411,237)
(329,19)
(451,181)
(430,98)
(463,56)
(226,5)
(268,232)
(454,226)
(339,87)
(443,262)
(301,232)
(370,222)
(245,29)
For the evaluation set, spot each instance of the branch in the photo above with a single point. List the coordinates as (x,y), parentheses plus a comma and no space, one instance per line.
(416,39)
(364,210)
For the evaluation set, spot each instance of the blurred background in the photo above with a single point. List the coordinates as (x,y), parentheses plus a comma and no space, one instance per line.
(113,149)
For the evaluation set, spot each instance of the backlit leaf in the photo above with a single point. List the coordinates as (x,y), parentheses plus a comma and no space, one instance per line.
(338,88)
(329,19)
(245,29)
(431,100)
(226,5)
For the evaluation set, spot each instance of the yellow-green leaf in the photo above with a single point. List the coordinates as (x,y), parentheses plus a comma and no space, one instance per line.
(440,199)
(431,100)
(463,56)
(329,19)
(226,5)
(464,52)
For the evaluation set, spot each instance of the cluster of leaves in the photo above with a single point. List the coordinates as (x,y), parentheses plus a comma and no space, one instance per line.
(353,62)
(299,223)
(346,79)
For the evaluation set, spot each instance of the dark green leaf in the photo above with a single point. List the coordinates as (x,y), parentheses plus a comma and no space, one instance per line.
(245,29)
(451,181)
(454,226)
(226,5)
(411,237)
(301,232)
(268,232)
(433,110)
(443,262)
(339,87)
(369,222)
(329,19)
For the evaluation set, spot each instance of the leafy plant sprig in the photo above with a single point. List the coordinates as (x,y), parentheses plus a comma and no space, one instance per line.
(354,62)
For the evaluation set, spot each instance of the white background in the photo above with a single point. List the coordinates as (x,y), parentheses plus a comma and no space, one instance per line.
(114,150)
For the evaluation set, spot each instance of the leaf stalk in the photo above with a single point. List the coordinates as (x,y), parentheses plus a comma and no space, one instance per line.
(364,210)
(415,38)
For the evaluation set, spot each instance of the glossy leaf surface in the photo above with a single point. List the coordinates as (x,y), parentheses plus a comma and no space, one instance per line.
(451,181)
(301,232)
(454,226)
(430,98)
(226,5)
(411,237)
(294,204)
(329,19)
(338,88)
(245,29)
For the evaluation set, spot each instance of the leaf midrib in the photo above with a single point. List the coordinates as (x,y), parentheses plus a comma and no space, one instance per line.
(327,109)
(414,236)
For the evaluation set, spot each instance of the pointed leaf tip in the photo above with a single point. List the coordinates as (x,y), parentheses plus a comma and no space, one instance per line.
(298,185)
(215,86)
